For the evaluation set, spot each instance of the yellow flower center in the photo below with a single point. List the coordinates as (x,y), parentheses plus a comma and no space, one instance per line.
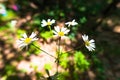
(87,43)
(61,33)
(27,40)
(48,23)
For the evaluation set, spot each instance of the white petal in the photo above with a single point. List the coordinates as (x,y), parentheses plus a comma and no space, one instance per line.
(64,37)
(57,29)
(48,20)
(24,35)
(89,48)
(32,35)
(53,21)
(67,23)
(85,37)
(63,29)
(55,32)
(66,32)
(73,20)
(92,40)
(19,42)
(43,21)
(92,49)
(22,39)
(34,39)
(92,45)
(75,23)
(56,35)
(22,45)
(43,25)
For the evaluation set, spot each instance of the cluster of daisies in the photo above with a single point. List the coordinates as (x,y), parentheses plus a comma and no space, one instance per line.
(58,31)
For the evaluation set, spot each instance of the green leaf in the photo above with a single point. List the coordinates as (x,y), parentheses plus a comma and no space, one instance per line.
(19,32)
(80,62)
(48,66)
(64,60)
(34,66)
(83,20)
(10,15)
(82,8)
(46,34)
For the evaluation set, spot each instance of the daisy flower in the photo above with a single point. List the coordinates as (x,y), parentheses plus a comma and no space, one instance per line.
(90,45)
(60,31)
(71,23)
(25,40)
(47,23)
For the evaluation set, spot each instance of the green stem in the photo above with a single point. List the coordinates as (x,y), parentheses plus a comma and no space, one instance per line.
(50,29)
(44,51)
(59,52)
(76,48)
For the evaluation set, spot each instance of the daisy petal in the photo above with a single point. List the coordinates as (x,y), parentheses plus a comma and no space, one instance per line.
(53,21)
(32,35)
(57,29)
(85,37)
(66,31)
(91,41)
(48,20)
(24,35)
(54,32)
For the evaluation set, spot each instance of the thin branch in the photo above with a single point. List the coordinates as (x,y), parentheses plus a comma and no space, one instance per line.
(75,49)
(44,51)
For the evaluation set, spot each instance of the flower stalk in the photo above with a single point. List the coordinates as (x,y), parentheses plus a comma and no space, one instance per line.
(43,51)
(50,29)
(58,52)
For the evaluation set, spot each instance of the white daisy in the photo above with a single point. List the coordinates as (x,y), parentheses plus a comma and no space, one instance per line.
(25,40)
(60,31)
(71,23)
(47,23)
(90,45)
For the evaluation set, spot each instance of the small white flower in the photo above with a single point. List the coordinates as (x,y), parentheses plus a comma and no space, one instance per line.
(2,9)
(47,23)
(25,40)
(13,23)
(90,45)
(60,31)
(71,23)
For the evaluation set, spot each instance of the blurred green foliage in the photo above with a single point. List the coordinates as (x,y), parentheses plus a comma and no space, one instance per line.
(64,60)
(9,16)
(48,66)
(33,50)
(80,62)
(46,35)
